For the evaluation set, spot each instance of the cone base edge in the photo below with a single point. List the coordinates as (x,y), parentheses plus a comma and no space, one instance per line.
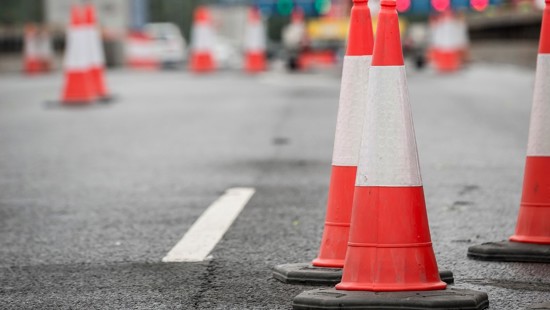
(307,274)
(507,251)
(412,300)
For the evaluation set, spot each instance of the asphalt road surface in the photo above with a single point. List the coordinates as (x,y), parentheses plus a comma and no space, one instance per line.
(92,199)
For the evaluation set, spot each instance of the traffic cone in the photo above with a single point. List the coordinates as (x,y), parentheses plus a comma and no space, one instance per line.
(202,58)
(390,263)
(78,87)
(31,56)
(531,241)
(255,43)
(326,269)
(447,47)
(97,55)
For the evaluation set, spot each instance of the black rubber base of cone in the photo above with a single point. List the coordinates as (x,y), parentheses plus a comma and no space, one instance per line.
(107,99)
(506,251)
(52,104)
(305,273)
(413,300)
(544,306)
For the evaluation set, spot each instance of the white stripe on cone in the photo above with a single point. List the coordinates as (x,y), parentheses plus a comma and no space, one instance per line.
(255,38)
(77,53)
(97,57)
(539,131)
(31,48)
(351,110)
(203,38)
(389,156)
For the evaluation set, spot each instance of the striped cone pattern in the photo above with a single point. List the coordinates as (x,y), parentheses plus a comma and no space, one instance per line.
(389,245)
(533,225)
(203,40)
(255,43)
(78,87)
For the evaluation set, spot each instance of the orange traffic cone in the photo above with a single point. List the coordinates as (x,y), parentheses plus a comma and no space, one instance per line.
(326,268)
(531,241)
(78,87)
(447,47)
(202,58)
(389,250)
(97,55)
(255,43)
(31,57)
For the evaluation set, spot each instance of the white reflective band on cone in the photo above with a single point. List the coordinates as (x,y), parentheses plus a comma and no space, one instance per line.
(31,46)
(351,111)
(77,50)
(98,58)
(203,38)
(255,38)
(388,150)
(539,131)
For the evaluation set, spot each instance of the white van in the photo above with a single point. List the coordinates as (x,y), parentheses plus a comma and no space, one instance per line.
(169,43)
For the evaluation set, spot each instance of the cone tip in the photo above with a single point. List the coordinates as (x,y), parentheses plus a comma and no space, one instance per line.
(254,14)
(77,17)
(387,46)
(202,14)
(89,12)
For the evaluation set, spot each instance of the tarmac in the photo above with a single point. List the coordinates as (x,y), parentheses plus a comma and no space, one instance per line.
(92,198)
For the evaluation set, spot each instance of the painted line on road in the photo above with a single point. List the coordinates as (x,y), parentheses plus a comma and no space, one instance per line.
(210,227)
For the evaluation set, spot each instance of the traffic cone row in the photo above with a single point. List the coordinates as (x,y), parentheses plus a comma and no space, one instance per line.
(84,60)
(531,241)
(203,42)
(327,267)
(37,50)
(389,262)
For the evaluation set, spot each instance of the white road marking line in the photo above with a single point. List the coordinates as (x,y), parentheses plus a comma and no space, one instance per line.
(210,227)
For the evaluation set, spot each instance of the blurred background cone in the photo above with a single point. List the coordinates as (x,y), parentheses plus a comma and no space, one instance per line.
(78,87)
(255,43)
(203,40)
(389,248)
(97,69)
(448,43)
(326,268)
(531,241)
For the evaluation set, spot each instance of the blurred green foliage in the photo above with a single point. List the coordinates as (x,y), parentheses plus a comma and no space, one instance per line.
(16,12)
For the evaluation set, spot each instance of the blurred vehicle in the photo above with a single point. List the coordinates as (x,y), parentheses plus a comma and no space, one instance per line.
(170,45)
(416,42)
